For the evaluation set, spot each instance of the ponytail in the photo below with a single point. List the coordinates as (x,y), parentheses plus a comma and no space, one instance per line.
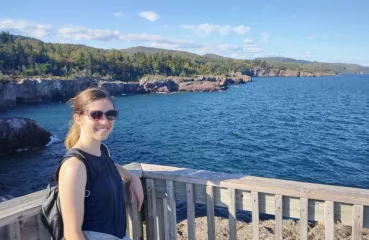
(73,136)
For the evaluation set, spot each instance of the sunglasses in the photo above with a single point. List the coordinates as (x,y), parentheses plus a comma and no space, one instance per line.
(97,115)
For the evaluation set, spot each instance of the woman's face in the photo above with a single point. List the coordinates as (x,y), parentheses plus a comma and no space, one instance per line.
(97,129)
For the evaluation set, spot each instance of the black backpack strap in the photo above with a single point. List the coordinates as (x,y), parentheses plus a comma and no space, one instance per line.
(105,149)
(74,152)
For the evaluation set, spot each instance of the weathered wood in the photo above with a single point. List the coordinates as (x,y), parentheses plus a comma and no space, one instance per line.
(291,205)
(257,184)
(172,216)
(278,217)
(329,220)
(232,214)
(129,220)
(166,217)
(151,212)
(190,212)
(255,215)
(14,231)
(303,218)
(160,218)
(136,221)
(357,225)
(210,212)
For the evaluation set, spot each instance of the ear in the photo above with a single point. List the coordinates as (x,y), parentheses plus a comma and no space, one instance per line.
(78,119)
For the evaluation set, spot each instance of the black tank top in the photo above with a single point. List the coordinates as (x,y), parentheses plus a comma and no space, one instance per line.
(105,210)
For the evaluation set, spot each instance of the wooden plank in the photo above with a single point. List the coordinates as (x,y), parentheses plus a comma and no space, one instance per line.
(210,212)
(14,231)
(172,215)
(255,215)
(190,212)
(357,225)
(266,185)
(151,212)
(291,205)
(303,218)
(160,218)
(232,214)
(166,217)
(136,221)
(278,217)
(129,220)
(329,220)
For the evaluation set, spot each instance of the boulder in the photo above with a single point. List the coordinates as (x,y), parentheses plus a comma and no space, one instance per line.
(22,134)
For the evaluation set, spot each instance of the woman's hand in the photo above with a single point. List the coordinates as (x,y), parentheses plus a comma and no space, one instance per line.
(136,192)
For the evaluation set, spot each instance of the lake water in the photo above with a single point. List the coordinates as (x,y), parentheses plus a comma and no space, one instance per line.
(305,129)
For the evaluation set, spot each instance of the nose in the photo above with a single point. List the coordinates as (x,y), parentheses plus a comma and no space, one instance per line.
(104,119)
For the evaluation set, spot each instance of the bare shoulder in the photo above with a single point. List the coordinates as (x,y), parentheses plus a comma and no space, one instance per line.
(73,167)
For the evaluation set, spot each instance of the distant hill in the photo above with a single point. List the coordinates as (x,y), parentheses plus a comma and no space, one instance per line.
(337,67)
(282,60)
(151,50)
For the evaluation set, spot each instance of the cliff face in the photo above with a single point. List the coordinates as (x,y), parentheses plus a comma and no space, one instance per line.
(30,91)
(264,72)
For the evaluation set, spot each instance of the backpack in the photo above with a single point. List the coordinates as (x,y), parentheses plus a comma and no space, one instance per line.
(50,210)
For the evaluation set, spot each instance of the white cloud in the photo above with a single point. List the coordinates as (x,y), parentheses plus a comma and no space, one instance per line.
(82,33)
(229,48)
(248,41)
(253,50)
(149,15)
(224,30)
(118,14)
(208,28)
(241,29)
(264,37)
(312,36)
(25,27)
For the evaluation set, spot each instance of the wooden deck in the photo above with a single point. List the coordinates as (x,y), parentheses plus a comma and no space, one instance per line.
(163,185)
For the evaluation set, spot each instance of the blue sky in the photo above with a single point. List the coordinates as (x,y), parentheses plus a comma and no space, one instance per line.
(325,30)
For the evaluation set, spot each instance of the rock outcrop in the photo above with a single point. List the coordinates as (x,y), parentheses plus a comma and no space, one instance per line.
(266,72)
(22,134)
(38,90)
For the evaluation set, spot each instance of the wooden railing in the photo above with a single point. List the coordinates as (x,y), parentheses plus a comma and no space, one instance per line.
(20,219)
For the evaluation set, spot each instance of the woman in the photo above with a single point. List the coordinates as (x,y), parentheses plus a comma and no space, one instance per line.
(91,191)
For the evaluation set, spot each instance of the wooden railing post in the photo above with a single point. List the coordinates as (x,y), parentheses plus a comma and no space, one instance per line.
(210,212)
(278,217)
(303,218)
(357,225)
(329,220)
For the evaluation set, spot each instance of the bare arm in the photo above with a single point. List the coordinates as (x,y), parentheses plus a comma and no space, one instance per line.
(124,173)
(135,187)
(72,185)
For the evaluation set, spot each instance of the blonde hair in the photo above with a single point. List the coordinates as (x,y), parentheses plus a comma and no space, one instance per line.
(79,103)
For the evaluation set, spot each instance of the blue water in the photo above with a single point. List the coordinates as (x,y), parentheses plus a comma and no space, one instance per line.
(305,129)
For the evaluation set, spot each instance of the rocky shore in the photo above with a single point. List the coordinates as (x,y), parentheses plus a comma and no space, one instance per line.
(291,230)
(39,90)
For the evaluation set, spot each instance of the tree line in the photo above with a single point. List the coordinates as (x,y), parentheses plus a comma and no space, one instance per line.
(23,56)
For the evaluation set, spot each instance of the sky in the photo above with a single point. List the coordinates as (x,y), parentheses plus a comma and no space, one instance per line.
(315,30)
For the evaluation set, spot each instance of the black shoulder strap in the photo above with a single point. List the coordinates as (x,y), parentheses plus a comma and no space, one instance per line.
(74,152)
(105,149)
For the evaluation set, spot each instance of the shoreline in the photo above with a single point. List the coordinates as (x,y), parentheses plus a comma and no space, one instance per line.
(45,90)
